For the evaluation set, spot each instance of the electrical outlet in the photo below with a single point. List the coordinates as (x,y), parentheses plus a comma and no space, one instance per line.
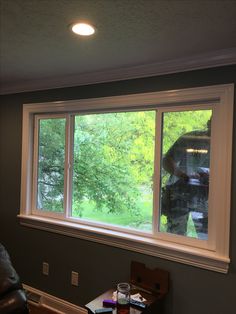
(74,278)
(45,268)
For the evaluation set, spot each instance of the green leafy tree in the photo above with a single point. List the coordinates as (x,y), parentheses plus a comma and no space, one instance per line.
(112,160)
(178,123)
(51,158)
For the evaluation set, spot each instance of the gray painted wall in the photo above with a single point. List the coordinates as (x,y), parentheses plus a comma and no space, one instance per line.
(192,290)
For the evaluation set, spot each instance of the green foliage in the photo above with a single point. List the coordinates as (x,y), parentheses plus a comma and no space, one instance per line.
(113,163)
(112,160)
(178,123)
(51,157)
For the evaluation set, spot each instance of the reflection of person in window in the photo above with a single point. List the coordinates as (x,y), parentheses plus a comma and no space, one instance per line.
(188,163)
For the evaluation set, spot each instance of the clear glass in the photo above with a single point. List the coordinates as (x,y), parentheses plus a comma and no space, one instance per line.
(123,297)
(51,159)
(113,168)
(185,173)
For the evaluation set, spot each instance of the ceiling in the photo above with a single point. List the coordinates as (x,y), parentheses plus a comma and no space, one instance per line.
(134,38)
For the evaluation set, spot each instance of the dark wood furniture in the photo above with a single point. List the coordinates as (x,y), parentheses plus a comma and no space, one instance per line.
(151,284)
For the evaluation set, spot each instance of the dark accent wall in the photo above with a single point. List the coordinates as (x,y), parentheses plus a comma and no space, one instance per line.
(192,290)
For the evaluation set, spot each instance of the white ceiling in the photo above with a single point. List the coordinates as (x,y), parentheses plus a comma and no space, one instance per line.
(134,38)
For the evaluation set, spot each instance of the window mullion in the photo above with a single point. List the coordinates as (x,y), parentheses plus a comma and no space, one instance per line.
(157,173)
(68,165)
(35,162)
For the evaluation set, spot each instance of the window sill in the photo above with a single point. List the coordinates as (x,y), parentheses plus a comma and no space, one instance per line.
(174,252)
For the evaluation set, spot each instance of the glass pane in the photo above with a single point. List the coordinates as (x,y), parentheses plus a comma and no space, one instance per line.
(185,173)
(51,158)
(113,168)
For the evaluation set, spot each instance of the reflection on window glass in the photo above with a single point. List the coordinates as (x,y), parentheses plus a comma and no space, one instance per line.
(51,158)
(185,173)
(113,168)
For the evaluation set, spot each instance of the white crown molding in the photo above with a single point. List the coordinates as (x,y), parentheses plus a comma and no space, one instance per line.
(207,60)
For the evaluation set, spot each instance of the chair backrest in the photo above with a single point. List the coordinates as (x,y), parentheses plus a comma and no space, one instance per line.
(154,280)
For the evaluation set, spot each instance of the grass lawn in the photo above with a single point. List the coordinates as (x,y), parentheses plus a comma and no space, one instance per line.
(141,220)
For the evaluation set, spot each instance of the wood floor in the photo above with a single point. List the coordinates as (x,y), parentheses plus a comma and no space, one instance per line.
(35,309)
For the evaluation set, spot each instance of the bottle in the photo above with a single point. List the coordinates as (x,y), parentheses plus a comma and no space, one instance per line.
(123,298)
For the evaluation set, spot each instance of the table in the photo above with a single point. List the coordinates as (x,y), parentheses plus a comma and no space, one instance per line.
(152,284)
(154,302)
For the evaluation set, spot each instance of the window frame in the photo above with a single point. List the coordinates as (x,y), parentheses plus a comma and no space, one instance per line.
(210,243)
(34,210)
(212,254)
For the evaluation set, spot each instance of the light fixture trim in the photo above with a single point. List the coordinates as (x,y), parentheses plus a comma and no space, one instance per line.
(83,29)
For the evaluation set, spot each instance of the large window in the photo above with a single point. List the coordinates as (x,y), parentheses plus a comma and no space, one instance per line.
(146,172)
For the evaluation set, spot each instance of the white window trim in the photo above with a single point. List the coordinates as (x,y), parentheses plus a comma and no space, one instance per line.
(214,256)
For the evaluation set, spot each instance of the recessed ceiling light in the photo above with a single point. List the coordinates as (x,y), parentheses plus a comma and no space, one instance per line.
(83,29)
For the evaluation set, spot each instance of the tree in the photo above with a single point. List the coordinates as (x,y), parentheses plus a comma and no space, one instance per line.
(112,160)
(51,158)
(178,123)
